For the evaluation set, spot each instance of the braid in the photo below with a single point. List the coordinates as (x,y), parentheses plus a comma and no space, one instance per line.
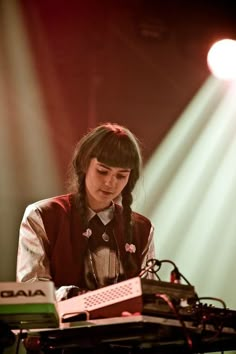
(81,202)
(127,200)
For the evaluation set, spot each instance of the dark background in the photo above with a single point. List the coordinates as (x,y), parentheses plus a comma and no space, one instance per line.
(137,63)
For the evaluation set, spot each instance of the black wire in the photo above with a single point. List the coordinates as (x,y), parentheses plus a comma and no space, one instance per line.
(213,298)
(176,270)
(18,341)
(173,308)
(152,266)
(221,325)
(185,279)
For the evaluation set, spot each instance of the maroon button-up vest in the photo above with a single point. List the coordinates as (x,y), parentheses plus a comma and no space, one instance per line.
(68,245)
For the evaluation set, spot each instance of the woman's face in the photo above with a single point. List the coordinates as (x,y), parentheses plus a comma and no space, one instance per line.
(104,183)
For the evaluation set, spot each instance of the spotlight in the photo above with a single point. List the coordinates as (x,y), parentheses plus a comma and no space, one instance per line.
(221,59)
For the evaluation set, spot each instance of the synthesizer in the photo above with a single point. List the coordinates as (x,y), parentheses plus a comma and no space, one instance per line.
(132,295)
(28,305)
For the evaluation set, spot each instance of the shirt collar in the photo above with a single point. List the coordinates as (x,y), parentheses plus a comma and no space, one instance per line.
(105,215)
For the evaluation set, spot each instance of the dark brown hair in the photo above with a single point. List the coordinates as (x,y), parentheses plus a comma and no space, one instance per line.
(115,146)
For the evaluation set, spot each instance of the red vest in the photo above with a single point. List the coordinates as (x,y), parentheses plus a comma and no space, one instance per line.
(66,246)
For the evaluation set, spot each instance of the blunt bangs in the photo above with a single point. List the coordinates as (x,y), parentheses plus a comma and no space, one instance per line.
(118,151)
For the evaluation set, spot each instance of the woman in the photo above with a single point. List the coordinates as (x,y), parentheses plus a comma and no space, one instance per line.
(90,237)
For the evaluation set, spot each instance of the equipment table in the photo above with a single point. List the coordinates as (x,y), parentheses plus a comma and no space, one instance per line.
(131,335)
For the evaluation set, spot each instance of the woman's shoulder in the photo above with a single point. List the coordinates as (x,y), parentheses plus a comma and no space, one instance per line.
(63,202)
(140,218)
(136,217)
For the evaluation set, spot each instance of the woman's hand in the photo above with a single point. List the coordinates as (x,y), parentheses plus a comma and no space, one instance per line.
(127,314)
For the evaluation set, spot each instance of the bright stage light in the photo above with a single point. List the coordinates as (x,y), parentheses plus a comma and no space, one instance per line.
(188,191)
(221,59)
